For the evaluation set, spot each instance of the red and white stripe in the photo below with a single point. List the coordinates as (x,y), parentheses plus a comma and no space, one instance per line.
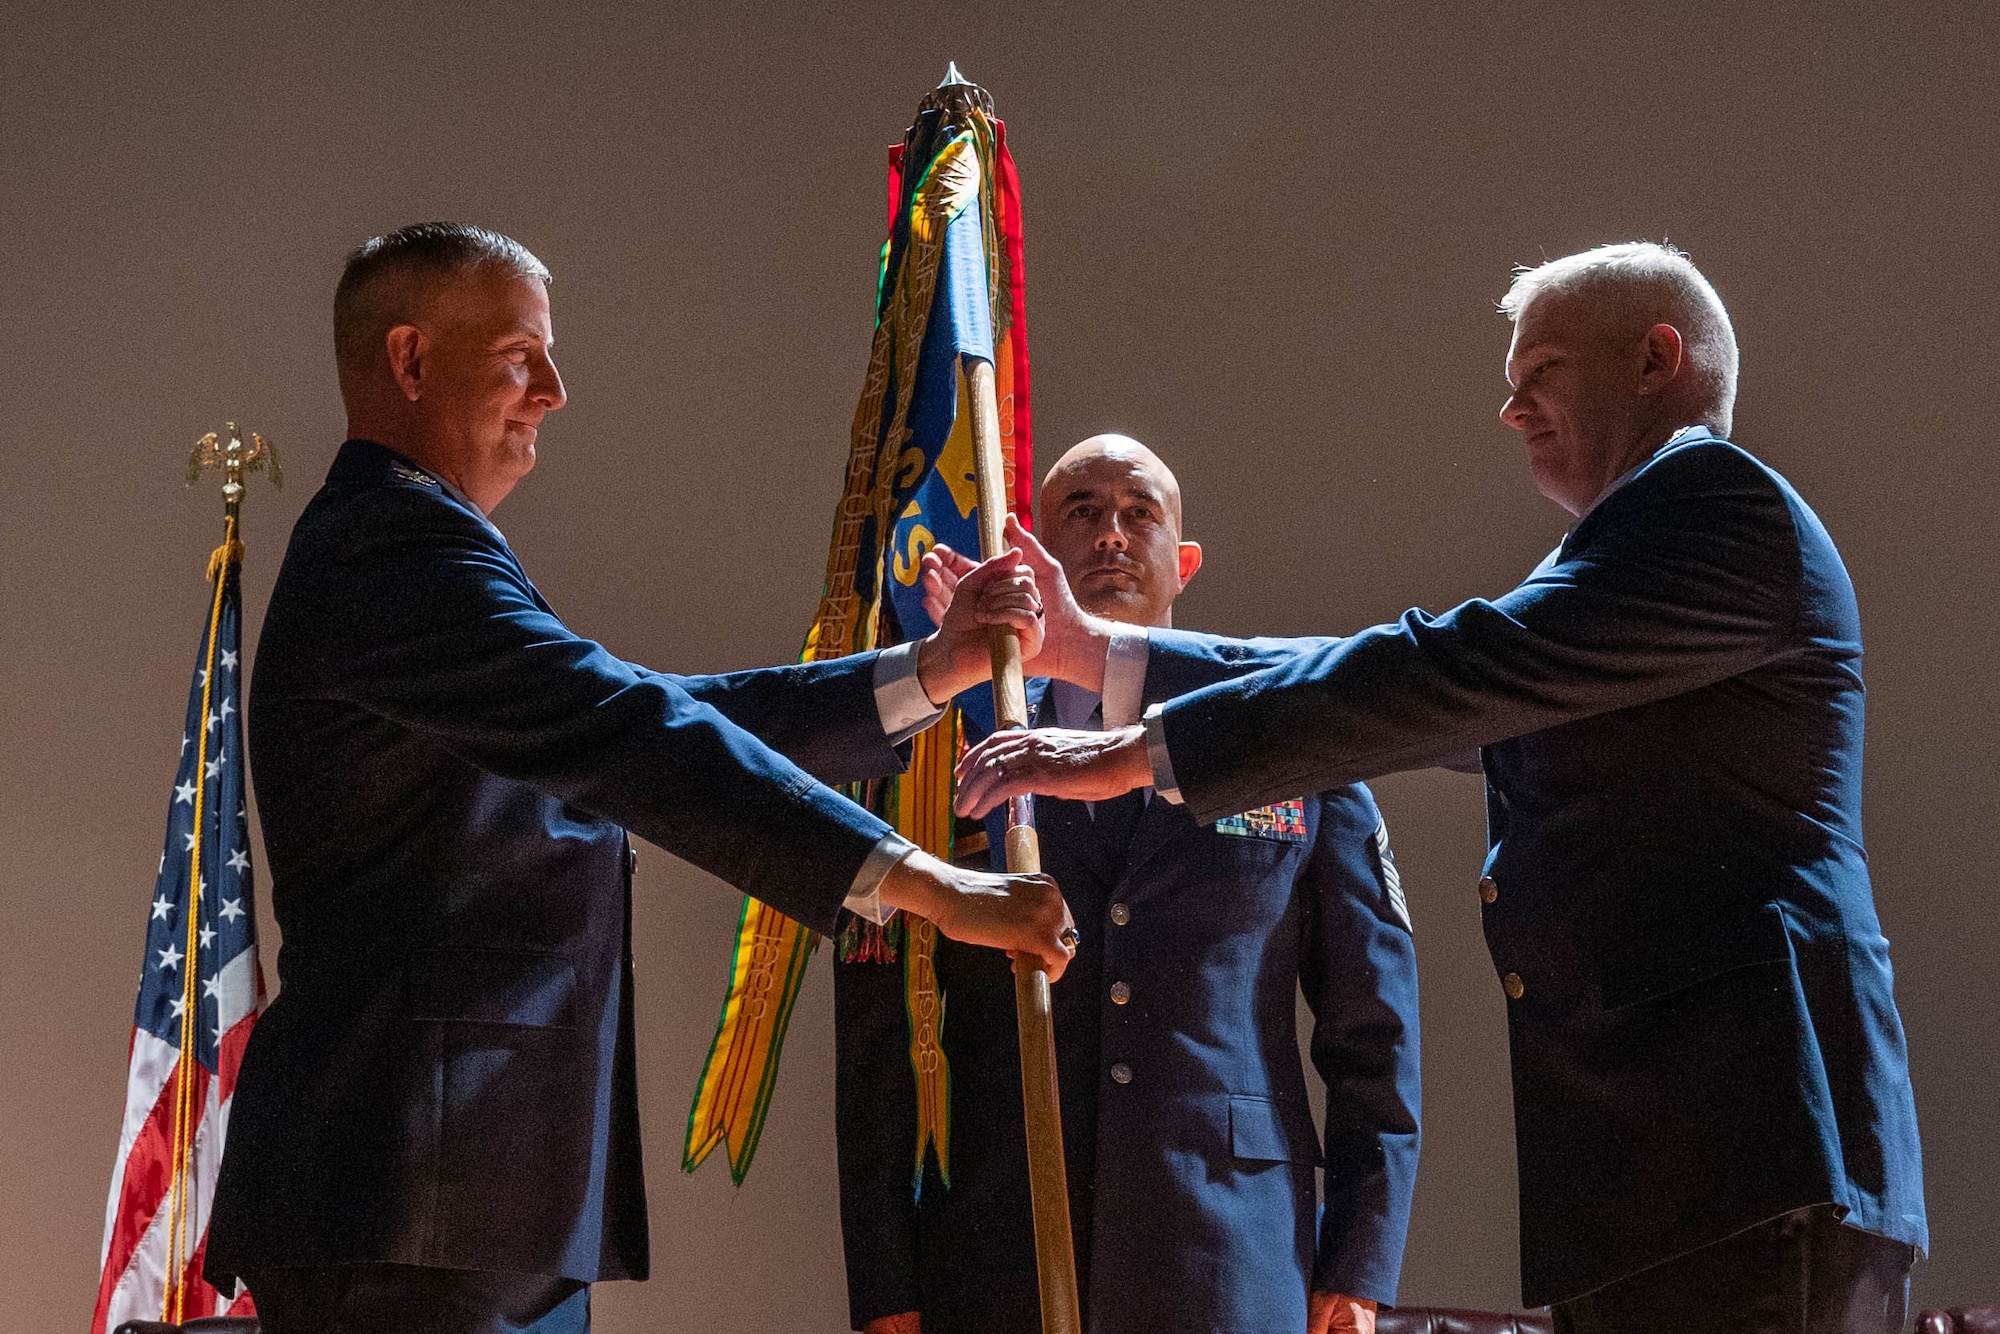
(137,1246)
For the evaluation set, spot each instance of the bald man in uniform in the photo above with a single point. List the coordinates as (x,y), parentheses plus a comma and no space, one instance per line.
(1192,1156)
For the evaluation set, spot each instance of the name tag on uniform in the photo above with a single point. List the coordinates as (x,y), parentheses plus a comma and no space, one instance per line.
(1284,822)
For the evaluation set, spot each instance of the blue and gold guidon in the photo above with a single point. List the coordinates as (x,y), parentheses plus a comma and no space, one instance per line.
(949,288)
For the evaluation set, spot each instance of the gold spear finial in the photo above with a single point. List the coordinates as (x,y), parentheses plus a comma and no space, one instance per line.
(234,459)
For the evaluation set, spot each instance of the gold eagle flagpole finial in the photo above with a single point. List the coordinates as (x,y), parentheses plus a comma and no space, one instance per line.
(184,1229)
(234,458)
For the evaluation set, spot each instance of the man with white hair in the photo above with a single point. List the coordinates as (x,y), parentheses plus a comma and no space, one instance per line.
(1714,1123)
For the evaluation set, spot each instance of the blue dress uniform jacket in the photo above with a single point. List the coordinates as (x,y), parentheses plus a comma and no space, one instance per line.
(1187,1133)
(1676,896)
(446,773)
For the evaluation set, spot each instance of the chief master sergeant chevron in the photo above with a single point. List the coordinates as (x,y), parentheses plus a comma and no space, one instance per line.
(436,1128)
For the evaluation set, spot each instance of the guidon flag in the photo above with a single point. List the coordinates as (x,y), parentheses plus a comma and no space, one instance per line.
(949,288)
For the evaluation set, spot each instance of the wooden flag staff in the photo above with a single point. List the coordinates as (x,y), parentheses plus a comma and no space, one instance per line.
(1048,1182)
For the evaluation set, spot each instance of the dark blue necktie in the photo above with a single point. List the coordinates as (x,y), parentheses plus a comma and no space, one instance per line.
(1113,821)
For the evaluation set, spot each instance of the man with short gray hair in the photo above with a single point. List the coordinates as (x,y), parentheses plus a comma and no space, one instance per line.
(1714,1122)
(437,1124)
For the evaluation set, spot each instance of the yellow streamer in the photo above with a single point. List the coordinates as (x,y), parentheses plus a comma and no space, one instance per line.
(924,816)
(733,1094)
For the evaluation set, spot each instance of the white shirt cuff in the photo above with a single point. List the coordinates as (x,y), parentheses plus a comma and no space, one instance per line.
(899,696)
(1156,755)
(864,896)
(1125,659)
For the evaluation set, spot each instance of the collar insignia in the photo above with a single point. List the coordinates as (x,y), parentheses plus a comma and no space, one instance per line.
(409,474)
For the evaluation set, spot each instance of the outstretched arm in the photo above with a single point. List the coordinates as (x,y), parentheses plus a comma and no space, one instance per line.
(1696,581)
(1078,645)
(443,634)
(1682,579)
(844,719)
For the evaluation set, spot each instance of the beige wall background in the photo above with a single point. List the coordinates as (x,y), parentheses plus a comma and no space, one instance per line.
(1264,239)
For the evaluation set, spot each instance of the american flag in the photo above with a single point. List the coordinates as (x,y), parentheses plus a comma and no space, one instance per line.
(156,1223)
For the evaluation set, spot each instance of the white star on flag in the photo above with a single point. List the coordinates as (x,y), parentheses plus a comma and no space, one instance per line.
(174,1029)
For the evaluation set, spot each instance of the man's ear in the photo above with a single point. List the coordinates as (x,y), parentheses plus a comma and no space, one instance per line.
(1661,352)
(1190,561)
(407,346)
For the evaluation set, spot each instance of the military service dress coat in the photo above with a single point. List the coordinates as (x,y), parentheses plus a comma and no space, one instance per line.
(1676,895)
(1193,1160)
(446,773)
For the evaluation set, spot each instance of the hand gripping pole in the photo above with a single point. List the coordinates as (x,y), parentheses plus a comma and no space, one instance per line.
(1048,1184)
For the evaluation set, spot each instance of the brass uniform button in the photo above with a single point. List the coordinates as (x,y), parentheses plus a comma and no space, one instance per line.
(1513,985)
(1120,914)
(1488,891)
(1121,1073)
(1120,993)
